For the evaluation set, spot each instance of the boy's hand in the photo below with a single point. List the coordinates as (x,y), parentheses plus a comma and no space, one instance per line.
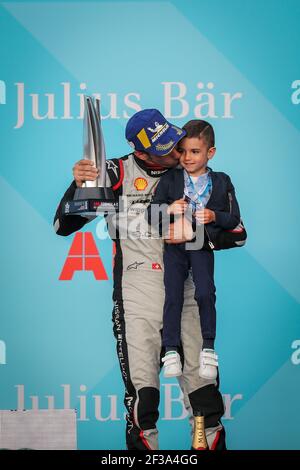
(178,207)
(84,170)
(205,216)
(180,231)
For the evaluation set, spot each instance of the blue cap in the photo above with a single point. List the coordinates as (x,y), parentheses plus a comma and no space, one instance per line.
(149,131)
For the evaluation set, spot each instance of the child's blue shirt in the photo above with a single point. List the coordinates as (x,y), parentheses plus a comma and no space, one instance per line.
(197,189)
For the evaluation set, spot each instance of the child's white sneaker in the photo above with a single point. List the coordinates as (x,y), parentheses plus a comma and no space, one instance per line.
(208,364)
(172,364)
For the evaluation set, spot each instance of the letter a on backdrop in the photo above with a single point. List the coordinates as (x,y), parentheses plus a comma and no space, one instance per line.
(83,256)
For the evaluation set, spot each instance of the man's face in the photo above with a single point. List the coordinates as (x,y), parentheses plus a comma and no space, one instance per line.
(167,161)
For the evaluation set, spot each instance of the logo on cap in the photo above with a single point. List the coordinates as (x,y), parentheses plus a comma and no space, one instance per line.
(143,138)
(165,147)
(158,127)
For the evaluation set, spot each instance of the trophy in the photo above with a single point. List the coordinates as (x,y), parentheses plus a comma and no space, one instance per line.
(94,196)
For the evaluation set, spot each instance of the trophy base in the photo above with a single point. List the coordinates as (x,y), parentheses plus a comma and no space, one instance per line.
(91,201)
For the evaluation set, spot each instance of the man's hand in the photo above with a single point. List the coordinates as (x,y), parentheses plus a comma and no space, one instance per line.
(84,170)
(205,216)
(178,207)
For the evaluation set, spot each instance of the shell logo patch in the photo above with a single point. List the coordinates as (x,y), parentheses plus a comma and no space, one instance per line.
(140,184)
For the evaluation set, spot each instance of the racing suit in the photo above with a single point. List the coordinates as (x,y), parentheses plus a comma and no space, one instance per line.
(138,296)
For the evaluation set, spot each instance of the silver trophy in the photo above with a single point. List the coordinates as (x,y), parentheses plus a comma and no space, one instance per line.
(93,196)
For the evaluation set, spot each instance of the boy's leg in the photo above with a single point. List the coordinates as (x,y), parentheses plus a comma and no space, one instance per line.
(202,263)
(176,272)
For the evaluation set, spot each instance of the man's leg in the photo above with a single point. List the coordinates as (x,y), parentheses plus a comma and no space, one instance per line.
(203,394)
(137,321)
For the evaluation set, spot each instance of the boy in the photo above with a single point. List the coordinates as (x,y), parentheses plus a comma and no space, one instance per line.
(210,197)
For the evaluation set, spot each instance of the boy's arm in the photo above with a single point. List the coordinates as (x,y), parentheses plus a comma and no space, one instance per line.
(229,220)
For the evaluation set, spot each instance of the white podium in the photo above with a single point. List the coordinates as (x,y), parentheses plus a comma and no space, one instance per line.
(38,429)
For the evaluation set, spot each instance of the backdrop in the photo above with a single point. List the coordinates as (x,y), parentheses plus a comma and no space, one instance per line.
(234,63)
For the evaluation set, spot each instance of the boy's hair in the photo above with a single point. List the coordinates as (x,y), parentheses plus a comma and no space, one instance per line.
(200,129)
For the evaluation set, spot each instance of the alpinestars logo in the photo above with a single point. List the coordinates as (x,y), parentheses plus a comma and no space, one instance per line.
(134,265)
(112,166)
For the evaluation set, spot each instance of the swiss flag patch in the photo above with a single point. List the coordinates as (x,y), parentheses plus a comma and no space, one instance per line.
(156,266)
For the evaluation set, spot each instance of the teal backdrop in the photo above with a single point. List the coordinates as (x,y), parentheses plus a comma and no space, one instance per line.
(234,63)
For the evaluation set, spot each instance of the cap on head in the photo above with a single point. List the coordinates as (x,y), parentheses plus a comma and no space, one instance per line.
(149,131)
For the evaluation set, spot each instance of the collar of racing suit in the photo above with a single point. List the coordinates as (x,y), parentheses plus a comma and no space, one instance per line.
(150,170)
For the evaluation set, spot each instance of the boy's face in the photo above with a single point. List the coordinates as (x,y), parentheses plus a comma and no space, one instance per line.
(194,155)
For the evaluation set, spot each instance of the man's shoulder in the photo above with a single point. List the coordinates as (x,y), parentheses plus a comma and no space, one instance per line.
(115,170)
(115,164)
(118,159)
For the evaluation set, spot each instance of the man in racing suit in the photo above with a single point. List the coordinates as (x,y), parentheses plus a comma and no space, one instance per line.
(138,292)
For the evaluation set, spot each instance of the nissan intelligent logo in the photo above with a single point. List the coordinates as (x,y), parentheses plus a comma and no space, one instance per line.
(2,92)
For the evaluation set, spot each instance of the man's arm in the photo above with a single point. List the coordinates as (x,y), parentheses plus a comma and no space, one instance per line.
(64,225)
